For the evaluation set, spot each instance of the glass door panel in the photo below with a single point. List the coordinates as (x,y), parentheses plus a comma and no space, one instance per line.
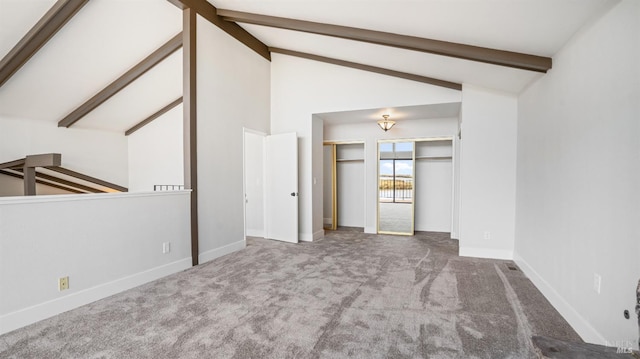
(395,187)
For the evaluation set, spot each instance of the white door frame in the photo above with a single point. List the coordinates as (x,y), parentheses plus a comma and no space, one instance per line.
(334,180)
(244,177)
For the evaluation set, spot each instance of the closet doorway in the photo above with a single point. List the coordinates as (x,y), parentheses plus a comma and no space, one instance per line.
(434,185)
(344,185)
(415,185)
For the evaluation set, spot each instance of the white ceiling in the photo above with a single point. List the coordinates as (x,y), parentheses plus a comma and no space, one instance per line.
(414,62)
(100,43)
(17,17)
(403,113)
(537,27)
(107,37)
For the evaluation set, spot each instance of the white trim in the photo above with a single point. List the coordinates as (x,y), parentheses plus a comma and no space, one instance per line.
(255,233)
(244,183)
(371,230)
(255,132)
(327,221)
(454,235)
(87,196)
(455,201)
(221,251)
(588,333)
(305,237)
(250,232)
(485,253)
(29,315)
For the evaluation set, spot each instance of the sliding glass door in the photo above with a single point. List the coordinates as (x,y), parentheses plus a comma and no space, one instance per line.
(396,187)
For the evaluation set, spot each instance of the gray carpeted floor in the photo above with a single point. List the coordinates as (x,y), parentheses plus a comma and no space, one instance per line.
(348,295)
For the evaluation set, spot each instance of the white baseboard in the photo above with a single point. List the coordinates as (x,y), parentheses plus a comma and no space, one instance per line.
(431,229)
(30,315)
(306,237)
(221,251)
(255,233)
(588,333)
(454,235)
(370,230)
(485,253)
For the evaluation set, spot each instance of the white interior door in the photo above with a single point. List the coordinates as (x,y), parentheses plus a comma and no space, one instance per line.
(281,183)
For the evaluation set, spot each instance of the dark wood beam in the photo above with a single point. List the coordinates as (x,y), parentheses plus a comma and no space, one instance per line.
(72,185)
(190,122)
(209,12)
(84,177)
(378,70)
(39,181)
(29,179)
(138,70)
(444,48)
(148,120)
(44,160)
(59,14)
(13,164)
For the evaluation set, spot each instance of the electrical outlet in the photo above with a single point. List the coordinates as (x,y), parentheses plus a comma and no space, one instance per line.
(166,247)
(63,283)
(597,281)
(487,235)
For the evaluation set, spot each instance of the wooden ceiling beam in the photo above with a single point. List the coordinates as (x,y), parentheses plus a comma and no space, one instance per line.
(159,113)
(116,86)
(39,181)
(209,12)
(190,123)
(444,48)
(378,70)
(43,160)
(83,177)
(63,182)
(59,14)
(13,164)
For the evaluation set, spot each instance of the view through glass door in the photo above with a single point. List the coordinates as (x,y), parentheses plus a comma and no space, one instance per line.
(396,187)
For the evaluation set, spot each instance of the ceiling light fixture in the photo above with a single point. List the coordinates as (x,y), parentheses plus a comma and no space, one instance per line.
(386,124)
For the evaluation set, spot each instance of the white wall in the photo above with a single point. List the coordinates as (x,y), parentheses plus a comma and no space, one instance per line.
(94,153)
(455,225)
(350,194)
(105,243)
(156,153)
(254,183)
(301,88)
(233,92)
(433,186)
(350,185)
(488,173)
(317,200)
(578,198)
(370,133)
